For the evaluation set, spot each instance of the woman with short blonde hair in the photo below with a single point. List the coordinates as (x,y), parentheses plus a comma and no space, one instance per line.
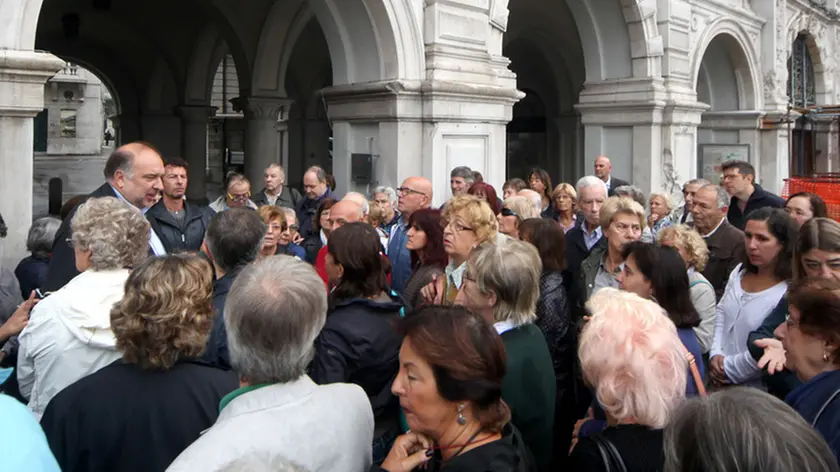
(502,284)
(661,207)
(631,354)
(69,333)
(565,204)
(467,222)
(158,389)
(694,252)
(275,222)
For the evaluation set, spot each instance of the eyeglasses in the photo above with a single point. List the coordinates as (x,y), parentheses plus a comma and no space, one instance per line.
(294,227)
(406,190)
(239,197)
(789,322)
(509,212)
(456,226)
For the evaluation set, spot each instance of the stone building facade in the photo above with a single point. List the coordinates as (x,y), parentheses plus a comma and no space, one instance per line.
(666,88)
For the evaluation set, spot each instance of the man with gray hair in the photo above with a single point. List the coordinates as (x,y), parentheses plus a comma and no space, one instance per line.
(275,311)
(233,241)
(276,192)
(580,240)
(688,191)
(359,199)
(460,180)
(134,174)
(32,270)
(386,198)
(725,242)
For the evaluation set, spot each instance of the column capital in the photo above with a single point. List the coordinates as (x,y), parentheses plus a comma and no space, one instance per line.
(195,113)
(262,108)
(22,78)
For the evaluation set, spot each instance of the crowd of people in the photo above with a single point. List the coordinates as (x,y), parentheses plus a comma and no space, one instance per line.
(582,327)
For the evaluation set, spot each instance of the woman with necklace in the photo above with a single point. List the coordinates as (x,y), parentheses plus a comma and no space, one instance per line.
(452,364)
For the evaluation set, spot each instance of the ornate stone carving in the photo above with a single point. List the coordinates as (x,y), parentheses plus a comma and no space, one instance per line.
(261,108)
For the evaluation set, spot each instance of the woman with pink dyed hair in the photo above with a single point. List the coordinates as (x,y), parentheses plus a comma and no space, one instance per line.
(632,357)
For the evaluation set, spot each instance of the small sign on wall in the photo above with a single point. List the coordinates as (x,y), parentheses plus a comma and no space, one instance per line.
(711,156)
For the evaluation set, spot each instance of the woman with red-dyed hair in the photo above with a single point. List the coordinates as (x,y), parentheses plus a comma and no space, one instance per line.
(428,259)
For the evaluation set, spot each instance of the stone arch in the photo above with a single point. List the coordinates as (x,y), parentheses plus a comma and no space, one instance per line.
(369,40)
(100,60)
(815,53)
(726,39)
(20,23)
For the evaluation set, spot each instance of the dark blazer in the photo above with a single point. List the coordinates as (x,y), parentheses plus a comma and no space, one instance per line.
(760,198)
(614,184)
(726,250)
(306,210)
(289,198)
(217,353)
(63,260)
(130,419)
(174,236)
(576,253)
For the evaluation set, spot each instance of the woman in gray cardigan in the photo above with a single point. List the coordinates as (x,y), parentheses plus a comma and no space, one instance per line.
(694,252)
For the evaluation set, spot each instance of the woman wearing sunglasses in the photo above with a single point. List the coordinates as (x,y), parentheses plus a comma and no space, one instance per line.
(514,211)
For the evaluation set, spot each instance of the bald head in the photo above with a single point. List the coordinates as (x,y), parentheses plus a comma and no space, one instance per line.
(603,167)
(136,171)
(343,212)
(414,194)
(533,197)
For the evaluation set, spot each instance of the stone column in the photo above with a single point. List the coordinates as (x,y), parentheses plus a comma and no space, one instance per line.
(127,125)
(261,143)
(22,78)
(194,148)
(773,164)
(163,131)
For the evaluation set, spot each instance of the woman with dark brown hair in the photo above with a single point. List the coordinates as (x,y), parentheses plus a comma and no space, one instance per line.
(320,230)
(140,412)
(358,343)
(540,182)
(428,259)
(452,364)
(554,319)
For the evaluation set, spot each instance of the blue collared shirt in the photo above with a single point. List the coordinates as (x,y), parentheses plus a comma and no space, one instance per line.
(154,241)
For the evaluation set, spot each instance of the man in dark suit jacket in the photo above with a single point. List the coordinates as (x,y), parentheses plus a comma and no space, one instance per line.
(603,170)
(739,181)
(133,173)
(276,192)
(725,242)
(592,194)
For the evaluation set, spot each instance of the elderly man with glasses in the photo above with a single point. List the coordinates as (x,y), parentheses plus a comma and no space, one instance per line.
(237,194)
(414,194)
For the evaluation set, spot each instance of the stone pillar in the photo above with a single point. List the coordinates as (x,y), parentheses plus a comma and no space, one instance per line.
(261,143)
(127,126)
(773,163)
(22,78)
(163,131)
(679,145)
(194,147)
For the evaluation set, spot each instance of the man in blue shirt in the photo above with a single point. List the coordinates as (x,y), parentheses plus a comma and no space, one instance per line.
(414,194)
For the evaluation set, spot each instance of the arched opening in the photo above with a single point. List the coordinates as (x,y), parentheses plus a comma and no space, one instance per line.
(725,81)
(802,97)
(74,132)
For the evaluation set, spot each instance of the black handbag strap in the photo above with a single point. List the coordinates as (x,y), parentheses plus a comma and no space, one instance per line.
(612,458)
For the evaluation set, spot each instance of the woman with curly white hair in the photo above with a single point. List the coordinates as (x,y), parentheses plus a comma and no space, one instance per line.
(632,357)
(69,332)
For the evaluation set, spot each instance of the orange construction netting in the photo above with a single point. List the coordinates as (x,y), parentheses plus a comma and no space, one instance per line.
(826,186)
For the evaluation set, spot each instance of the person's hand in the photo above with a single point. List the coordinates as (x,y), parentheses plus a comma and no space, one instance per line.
(433,292)
(297,239)
(409,451)
(717,372)
(774,355)
(19,319)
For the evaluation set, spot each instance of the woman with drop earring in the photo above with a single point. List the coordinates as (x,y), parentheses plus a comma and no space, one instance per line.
(454,409)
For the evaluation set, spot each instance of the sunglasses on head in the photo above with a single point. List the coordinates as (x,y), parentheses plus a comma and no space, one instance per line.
(509,212)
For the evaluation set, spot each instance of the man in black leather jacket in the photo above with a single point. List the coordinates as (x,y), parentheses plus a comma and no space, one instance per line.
(179,224)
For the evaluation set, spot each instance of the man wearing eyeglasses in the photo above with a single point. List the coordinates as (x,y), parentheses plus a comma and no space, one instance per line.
(414,194)
(237,194)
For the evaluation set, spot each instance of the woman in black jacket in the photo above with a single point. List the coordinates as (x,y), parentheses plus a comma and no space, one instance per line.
(553,318)
(320,230)
(358,343)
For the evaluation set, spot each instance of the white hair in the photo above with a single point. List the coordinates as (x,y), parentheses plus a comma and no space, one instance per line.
(359,199)
(290,212)
(723,197)
(280,299)
(389,192)
(533,197)
(591,181)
